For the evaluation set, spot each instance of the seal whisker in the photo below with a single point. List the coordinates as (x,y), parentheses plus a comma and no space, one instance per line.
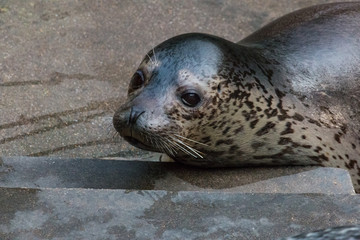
(184,150)
(159,142)
(169,149)
(114,135)
(191,140)
(192,150)
(156,61)
(171,146)
(152,62)
(177,146)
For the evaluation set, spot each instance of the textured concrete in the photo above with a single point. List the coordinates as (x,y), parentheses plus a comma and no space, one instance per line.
(94,173)
(116,214)
(65,65)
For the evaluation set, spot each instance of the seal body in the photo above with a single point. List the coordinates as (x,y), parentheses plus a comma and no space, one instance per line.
(338,233)
(289,94)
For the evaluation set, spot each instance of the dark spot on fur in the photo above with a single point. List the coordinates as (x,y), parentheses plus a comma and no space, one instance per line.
(344,128)
(222,124)
(206,139)
(298,117)
(353,146)
(337,138)
(318,149)
(239,153)
(319,138)
(319,158)
(265,129)
(351,164)
(288,129)
(256,145)
(227,142)
(286,150)
(186,117)
(306,146)
(269,100)
(282,117)
(249,104)
(261,85)
(215,154)
(312,121)
(253,123)
(238,130)
(271,112)
(226,130)
(303,137)
(233,148)
(214,100)
(284,141)
(279,93)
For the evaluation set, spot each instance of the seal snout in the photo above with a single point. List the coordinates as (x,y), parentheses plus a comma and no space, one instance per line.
(126,123)
(125,120)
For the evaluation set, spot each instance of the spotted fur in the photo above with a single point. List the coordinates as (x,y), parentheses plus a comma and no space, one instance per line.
(289,94)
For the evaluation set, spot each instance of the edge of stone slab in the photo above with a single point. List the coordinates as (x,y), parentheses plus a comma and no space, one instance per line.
(53,172)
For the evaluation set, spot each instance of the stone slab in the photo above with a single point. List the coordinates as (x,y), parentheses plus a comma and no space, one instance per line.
(49,172)
(156,214)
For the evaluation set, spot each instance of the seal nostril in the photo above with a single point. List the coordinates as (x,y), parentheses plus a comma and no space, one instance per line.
(134,115)
(130,116)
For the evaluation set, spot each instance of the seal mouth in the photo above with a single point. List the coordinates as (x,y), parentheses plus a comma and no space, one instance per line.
(136,143)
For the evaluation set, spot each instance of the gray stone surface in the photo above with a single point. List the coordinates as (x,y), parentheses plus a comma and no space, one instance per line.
(124,214)
(65,65)
(137,175)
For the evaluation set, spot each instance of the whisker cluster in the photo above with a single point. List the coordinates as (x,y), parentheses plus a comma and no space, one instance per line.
(173,144)
(154,61)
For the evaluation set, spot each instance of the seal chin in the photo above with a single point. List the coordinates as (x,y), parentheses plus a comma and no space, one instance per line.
(136,143)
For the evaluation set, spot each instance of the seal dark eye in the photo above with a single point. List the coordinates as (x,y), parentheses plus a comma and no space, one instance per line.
(190,99)
(137,81)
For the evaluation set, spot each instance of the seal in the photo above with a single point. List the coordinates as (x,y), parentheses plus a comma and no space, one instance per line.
(288,94)
(339,233)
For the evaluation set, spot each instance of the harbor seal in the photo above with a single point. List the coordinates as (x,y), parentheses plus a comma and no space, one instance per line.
(288,94)
(338,233)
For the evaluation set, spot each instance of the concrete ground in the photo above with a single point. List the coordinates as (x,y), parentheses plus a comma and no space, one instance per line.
(65,65)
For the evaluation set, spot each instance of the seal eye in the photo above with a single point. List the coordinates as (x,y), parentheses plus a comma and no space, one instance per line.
(137,81)
(190,99)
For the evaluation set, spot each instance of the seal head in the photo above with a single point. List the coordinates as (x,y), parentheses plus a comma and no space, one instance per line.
(175,84)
